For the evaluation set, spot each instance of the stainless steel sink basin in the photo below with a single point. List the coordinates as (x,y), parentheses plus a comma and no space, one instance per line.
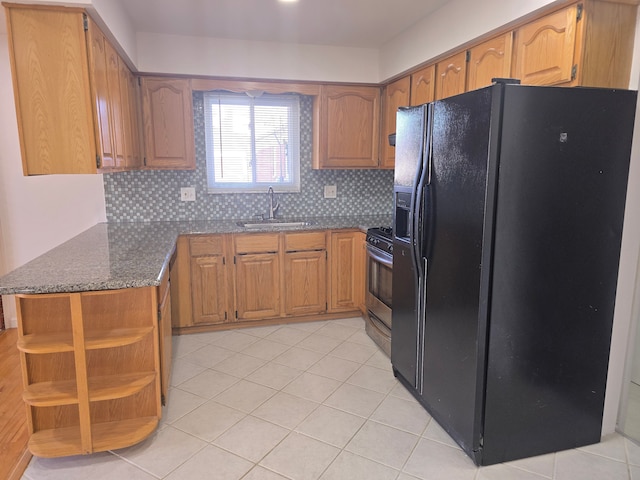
(274,224)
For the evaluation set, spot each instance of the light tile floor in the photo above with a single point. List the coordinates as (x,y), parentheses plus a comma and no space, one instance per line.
(304,402)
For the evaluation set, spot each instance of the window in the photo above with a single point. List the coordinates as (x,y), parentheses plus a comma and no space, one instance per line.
(252,142)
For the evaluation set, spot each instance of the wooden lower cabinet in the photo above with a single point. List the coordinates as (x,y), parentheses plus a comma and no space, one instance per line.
(91,369)
(257,286)
(347,271)
(208,273)
(305,273)
(222,281)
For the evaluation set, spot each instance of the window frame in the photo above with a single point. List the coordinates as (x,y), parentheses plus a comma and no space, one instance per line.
(293,101)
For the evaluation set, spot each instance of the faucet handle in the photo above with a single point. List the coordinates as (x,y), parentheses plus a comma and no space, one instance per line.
(259,215)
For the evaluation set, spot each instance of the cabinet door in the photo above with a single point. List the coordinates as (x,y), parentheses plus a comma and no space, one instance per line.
(116,105)
(347,273)
(349,126)
(423,85)
(48,54)
(451,75)
(397,94)
(130,119)
(257,286)
(490,59)
(101,94)
(306,274)
(208,289)
(545,48)
(167,112)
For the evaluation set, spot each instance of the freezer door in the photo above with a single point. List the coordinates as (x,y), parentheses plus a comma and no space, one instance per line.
(409,170)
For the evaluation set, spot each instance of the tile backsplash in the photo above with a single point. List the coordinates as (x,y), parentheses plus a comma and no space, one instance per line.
(154,195)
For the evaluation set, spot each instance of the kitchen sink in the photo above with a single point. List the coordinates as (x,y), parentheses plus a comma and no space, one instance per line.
(274,223)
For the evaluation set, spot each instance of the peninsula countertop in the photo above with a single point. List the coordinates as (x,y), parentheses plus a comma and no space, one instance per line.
(109,256)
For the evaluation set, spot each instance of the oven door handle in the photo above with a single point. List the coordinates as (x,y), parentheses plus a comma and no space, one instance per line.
(379,256)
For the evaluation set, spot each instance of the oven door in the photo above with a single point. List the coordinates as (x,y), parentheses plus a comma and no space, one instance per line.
(379,280)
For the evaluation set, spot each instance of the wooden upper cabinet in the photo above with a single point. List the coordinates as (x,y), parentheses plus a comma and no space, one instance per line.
(451,75)
(118,106)
(130,96)
(116,120)
(396,94)
(349,127)
(423,85)
(74,112)
(100,89)
(167,111)
(490,59)
(545,49)
(48,55)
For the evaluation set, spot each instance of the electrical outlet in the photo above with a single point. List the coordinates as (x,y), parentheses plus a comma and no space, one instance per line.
(330,191)
(188,194)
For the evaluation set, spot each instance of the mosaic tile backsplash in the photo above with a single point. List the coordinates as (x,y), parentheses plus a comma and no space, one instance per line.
(153,195)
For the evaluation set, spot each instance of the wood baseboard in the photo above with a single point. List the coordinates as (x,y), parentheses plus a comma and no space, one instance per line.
(265,322)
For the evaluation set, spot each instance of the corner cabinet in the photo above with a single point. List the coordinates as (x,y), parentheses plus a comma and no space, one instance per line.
(167,111)
(349,127)
(91,369)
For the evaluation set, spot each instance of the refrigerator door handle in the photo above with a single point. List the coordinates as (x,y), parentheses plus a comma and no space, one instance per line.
(422,197)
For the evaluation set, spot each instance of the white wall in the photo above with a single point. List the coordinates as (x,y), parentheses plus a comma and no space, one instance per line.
(235,58)
(36,213)
(454,24)
(625,318)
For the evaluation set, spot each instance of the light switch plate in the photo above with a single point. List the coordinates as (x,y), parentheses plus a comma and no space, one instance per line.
(188,194)
(330,191)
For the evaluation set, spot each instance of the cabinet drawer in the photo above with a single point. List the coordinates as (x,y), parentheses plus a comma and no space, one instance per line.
(206,245)
(256,243)
(305,241)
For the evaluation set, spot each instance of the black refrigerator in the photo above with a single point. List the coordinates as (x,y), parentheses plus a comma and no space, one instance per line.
(509,205)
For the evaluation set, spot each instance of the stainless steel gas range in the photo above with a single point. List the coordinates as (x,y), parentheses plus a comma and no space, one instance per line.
(379,279)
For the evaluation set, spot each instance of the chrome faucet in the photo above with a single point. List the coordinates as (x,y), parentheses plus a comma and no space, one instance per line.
(272,207)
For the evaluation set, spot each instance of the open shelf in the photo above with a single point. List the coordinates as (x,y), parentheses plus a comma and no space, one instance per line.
(66,441)
(57,442)
(49,394)
(112,387)
(90,363)
(116,337)
(122,433)
(40,343)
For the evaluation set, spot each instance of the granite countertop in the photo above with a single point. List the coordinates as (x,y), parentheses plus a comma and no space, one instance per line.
(124,255)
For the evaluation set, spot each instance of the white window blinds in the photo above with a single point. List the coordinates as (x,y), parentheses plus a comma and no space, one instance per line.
(252,142)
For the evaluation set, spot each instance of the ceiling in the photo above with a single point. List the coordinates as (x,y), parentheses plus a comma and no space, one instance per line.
(347,23)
